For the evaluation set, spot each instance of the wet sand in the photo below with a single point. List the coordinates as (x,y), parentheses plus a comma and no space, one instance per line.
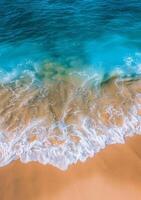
(66,120)
(113,174)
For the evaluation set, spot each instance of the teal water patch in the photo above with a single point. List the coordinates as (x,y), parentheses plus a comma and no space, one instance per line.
(18,58)
(96,34)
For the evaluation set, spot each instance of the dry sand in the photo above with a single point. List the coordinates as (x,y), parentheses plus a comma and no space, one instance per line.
(113,174)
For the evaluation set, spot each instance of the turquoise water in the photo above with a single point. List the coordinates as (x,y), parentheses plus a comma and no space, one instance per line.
(97,34)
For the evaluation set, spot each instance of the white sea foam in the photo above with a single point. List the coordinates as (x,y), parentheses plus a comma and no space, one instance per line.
(66,151)
(79,139)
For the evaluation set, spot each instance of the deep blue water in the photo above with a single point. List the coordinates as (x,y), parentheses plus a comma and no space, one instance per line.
(104,35)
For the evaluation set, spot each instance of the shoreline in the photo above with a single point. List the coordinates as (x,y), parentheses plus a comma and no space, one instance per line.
(67,121)
(114,173)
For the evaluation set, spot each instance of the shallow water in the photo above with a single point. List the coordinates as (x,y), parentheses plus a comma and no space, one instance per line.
(70,78)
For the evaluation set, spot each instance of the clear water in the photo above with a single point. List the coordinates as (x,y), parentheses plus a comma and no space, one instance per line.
(42,38)
(97,34)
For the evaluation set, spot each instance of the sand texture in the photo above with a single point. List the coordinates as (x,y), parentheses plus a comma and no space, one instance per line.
(113,174)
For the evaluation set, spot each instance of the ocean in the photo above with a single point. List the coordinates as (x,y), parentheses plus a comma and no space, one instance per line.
(69,78)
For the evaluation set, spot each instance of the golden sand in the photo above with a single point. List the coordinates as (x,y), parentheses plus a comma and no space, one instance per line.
(113,174)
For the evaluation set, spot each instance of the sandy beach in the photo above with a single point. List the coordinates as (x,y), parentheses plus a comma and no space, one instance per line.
(113,174)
